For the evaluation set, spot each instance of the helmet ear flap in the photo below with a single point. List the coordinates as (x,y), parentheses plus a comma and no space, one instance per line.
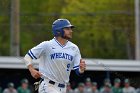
(61,32)
(58,33)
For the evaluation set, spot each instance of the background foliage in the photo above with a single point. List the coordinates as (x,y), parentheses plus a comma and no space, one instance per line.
(104,28)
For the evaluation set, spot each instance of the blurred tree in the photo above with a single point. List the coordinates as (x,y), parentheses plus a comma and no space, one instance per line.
(36,20)
(103,27)
(4,27)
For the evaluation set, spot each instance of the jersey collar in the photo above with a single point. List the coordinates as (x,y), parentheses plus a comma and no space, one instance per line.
(60,44)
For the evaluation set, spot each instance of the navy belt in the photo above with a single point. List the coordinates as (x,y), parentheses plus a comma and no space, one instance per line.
(59,85)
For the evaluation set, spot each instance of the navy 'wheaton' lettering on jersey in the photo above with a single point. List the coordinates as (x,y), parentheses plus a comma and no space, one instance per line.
(62,55)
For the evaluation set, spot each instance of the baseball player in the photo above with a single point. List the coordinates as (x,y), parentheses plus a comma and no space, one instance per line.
(58,56)
(127,87)
(24,87)
(116,88)
(80,88)
(10,88)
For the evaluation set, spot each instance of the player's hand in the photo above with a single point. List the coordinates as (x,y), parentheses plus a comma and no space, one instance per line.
(82,65)
(36,74)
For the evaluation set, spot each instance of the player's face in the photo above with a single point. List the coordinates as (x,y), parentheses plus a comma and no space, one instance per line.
(117,84)
(126,84)
(68,32)
(24,85)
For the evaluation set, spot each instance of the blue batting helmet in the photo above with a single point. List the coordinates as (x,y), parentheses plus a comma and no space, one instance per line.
(58,25)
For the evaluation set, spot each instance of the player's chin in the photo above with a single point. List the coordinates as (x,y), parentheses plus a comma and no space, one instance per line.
(69,36)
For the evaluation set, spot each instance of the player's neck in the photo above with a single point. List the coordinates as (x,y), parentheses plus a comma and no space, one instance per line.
(61,40)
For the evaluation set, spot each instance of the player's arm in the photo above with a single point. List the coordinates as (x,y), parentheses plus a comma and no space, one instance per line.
(79,64)
(81,69)
(82,66)
(35,53)
(28,61)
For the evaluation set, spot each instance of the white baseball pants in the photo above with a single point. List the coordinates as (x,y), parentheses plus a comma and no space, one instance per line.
(46,87)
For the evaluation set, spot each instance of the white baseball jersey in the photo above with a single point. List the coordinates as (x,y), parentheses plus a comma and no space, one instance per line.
(129,90)
(57,60)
